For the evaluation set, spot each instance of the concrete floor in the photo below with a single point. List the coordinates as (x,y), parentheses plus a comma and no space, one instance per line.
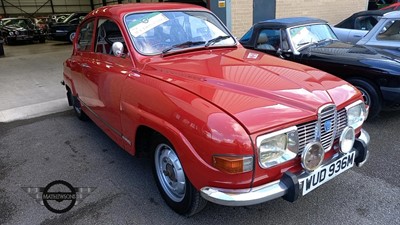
(30,76)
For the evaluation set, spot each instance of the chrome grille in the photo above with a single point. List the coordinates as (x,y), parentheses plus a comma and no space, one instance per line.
(319,130)
(341,122)
(306,134)
(327,122)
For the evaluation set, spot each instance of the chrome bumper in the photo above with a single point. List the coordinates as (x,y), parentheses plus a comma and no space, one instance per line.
(287,187)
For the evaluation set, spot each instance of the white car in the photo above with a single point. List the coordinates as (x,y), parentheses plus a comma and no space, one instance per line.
(357,25)
(386,33)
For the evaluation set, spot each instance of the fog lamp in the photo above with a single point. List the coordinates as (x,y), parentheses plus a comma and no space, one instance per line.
(346,140)
(312,156)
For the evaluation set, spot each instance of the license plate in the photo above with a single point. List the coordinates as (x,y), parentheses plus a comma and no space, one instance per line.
(326,173)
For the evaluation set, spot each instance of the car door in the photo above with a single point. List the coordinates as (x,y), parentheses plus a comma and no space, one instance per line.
(106,75)
(78,62)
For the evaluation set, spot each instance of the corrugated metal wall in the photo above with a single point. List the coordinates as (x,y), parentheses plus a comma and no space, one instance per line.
(41,7)
(30,8)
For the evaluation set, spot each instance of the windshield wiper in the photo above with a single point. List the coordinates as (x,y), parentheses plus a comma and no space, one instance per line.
(215,40)
(303,43)
(183,45)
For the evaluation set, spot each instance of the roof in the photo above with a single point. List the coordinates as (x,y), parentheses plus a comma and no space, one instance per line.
(122,9)
(370,13)
(392,15)
(290,22)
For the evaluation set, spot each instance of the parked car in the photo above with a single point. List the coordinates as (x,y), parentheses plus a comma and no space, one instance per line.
(394,6)
(20,30)
(65,31)
(42,23)
(357,25)
(225,124)
(58,18)
(374,71)
(386,33)
(380,4)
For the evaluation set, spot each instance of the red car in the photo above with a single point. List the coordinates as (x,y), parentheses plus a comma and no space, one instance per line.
(223,124)
(394,6)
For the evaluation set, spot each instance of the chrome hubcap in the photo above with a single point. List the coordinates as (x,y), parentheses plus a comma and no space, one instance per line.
(170,172)
(71,36)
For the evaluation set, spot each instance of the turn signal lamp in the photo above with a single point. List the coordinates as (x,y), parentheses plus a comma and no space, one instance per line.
(233,164)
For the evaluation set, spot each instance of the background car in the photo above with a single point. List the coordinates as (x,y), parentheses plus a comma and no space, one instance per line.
(65,30)
(374,71)
(386,33)
(394,6)
(357,25)
(42,23)
(221,123)
(20,30)
(380,4)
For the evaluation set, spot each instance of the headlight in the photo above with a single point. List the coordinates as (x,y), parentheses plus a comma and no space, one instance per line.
(11,33)
(356,114)
(277,147)
(16,32)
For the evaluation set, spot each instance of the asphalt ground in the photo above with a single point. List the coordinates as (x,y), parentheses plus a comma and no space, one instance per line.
(30,76)
(38,151)
(35,152)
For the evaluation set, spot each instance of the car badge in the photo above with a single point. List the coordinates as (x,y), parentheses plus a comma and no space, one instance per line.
(328,125)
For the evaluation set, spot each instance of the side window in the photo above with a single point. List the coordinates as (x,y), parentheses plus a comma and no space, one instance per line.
(268,39)
(85,36)
(365,22)
(108,32)
(390,32)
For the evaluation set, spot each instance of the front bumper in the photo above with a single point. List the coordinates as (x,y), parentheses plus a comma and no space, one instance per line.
(289,186)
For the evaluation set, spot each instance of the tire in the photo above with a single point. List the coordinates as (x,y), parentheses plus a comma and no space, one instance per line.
(371,95)
(174,186)
(42,40)
(76,104)
(71,36)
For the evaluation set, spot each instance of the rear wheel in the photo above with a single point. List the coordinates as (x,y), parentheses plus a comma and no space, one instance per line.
(371,95)
(71,36)
(174,186)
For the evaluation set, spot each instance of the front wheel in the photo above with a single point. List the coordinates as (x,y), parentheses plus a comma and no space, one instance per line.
(174,186)
(371,95)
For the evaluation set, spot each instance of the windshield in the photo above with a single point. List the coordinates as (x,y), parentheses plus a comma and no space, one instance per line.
(25,23)
(309,34)
(159,32)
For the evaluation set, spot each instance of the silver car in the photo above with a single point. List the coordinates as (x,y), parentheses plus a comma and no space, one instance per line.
(357,25)
(386,33)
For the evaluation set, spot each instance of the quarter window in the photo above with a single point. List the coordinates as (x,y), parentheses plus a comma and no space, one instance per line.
(85,36)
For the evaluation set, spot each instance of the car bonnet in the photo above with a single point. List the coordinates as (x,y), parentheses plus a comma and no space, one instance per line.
(258,90)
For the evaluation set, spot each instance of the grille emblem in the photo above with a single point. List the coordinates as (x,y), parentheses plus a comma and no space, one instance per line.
(328,125)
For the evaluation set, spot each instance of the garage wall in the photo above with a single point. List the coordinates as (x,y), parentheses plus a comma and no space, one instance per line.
(42,7)
(332,11)
(242,16)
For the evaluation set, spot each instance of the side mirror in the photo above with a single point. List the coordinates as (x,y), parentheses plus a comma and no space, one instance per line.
(118,49)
